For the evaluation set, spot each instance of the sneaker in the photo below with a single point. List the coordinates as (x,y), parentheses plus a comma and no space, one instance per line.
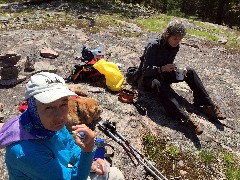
(196,128)
(213,111)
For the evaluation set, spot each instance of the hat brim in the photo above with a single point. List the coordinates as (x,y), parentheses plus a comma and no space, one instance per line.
(53,95)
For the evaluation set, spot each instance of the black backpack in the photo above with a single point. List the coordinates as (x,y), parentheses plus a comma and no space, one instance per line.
(83,72)
(87,55)
(134,73)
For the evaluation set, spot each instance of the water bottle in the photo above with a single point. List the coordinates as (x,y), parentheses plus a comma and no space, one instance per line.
(100,151)
(98,52)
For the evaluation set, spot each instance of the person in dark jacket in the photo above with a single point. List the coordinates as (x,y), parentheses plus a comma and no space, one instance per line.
(159,73)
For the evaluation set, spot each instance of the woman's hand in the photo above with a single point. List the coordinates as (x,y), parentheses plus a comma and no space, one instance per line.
(185,72)
(100,166)
(168,68)
(88,144)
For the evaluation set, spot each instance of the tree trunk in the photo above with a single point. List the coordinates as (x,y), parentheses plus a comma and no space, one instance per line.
(220,11)
(183,6)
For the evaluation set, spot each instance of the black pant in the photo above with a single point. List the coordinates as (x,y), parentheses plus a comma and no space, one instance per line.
(161,86)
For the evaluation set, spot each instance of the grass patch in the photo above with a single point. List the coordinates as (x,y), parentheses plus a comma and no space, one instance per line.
(203,34)
(218,31)
(207,157)
(173,151)
(228,159)
(168,159)
(109,20)
(155,24)
(232,166)
(233,173)
(208,32)
(127,34)
(62,19)
(153,147)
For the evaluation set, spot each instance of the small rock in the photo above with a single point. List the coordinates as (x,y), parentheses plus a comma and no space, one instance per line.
(183,173)
(10,82)
(48,53)
(10,72)
(180,163)
(223,40)
(29,65)
(44,66)
(95,90)
(9,59)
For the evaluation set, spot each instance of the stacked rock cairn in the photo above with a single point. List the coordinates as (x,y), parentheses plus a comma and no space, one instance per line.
(9,71)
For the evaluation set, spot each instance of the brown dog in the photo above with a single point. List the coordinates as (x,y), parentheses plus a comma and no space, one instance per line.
(82,110)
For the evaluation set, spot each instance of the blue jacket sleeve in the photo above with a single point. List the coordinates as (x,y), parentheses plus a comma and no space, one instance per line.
(36,159)
(80,160)
(82,166)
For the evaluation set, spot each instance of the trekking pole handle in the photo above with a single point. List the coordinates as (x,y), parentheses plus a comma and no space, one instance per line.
(109,133)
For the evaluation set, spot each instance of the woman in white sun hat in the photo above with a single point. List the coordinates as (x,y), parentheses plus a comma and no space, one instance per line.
(38,145)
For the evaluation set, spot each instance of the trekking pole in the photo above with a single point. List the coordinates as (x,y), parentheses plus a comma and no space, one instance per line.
(141,155)
(113,129)
(110,129)
(109,134)
(128,150)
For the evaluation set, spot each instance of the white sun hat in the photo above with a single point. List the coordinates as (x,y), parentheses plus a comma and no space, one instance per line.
(47,87)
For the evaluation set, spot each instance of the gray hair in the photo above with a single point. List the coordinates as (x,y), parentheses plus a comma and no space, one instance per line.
(175,28)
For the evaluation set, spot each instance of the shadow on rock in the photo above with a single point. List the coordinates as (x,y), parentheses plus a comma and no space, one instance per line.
(192,109)
(155,111)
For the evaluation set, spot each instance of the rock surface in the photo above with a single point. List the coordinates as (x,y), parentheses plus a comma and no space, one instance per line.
(217,67)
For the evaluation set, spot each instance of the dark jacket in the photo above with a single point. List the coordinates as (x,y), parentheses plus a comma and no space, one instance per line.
(157,54)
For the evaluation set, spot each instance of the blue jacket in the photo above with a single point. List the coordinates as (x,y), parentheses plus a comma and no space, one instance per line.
(48,159)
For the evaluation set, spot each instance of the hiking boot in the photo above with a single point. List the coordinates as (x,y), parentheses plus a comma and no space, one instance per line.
(196,128)
(213,111)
